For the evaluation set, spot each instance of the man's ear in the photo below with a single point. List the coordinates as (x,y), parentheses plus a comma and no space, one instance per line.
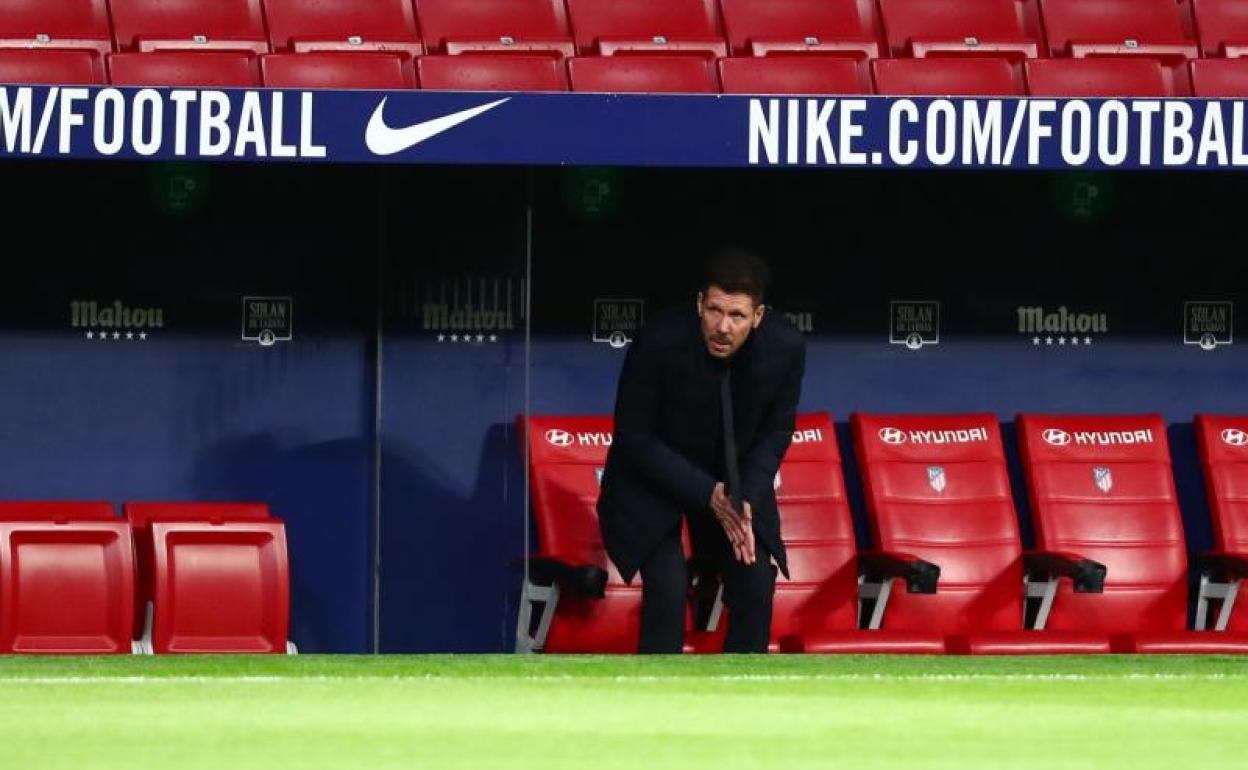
(758,315)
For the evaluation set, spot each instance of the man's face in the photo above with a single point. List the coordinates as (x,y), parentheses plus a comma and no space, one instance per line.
(727,320)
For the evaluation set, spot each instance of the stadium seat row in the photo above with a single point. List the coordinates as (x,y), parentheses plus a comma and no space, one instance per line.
(168,578)
(948,572)
(865,28)
(795,74)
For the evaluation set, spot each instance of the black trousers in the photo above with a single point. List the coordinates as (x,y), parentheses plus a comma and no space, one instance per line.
(748,589)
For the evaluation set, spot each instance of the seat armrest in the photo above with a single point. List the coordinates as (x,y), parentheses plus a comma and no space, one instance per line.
(1087,575)
(921,576)
(584,580)
(1233,566)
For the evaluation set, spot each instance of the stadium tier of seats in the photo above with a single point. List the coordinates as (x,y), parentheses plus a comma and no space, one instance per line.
(947,571)
(903,47)
(168,578)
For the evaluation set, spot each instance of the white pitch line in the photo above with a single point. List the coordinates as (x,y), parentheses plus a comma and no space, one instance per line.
(143,680)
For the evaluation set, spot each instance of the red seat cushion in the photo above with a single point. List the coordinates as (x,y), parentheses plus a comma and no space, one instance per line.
(1030,643)
(1183,643)
(795,74)
(858,642)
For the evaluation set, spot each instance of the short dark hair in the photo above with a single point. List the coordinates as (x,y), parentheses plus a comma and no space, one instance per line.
(737,271)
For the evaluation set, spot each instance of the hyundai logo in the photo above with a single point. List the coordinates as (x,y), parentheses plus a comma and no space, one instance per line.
(558,437)
(1235,437)
(892,436)
(1056,436)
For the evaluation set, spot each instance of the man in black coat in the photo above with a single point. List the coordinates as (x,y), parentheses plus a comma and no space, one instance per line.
(677,451)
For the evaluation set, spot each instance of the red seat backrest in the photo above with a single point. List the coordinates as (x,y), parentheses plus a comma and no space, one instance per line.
(643,74)
(221,587)
(56,24)
(1112,22)
(796,74)
(465,21)
(150,24)
(818,530)
(937,488)
(1109,76)
(348,25)
(594,21)
(1101,487)
(212,69)
(907,22)
(66,587)
(47,66)
(1223,443)
(752,26)
(1222,26)
(1227,78)
(493,72)
(56,510)
(978,76)
(337,69)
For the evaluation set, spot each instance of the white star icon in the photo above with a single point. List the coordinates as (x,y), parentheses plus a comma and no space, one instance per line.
(454,338)
(493,338)
(1087,340)
(480,338)
(116,335)
(1061,340)
(90,335)
(103,336)
(467,338)
(1074,340)
(129,335)
(142,335)
(441,338)
(1048,340)
(1035,340)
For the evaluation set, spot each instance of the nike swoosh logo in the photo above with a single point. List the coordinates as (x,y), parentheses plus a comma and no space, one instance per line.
(384,140)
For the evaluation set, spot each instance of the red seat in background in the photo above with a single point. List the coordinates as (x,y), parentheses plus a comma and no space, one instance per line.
(60,24)
(493,72)
(1223,443)
(217,576)
(1103,486)
(338,69)
(66,579)
(649,26)
(212,69)
(343,25)
(501,26)
(150,25)
(643,74)
(833,27)
(937,487)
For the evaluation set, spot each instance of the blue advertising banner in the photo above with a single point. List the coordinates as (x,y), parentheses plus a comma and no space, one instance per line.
(427,127)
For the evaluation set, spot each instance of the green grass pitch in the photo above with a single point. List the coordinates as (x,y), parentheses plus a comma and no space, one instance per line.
(597,713)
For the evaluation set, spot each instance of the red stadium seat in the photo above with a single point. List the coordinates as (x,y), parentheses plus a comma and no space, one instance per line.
(637,73)
(985,27)
(1222,27)
(1223,443)
(67,579)
(817,609)
(1102,486)
(843,27)
(649,26)
(492,72)
(50,66)
(336,69)
(343,25)
(150,25)
(215,69)
(1081,28)
(216,575)
(793,74)
(56,511)
(937,487)
(1227,78)
(459,26)
(55,24)
(961,76)
(1123,77)
(587,606)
